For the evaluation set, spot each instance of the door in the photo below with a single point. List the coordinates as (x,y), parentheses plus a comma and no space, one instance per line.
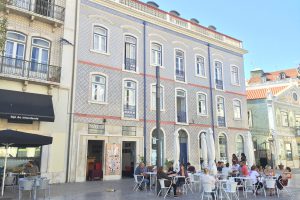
(128,158)
(95,155)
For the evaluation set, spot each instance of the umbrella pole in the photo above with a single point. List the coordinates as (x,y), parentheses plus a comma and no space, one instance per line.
(4,170)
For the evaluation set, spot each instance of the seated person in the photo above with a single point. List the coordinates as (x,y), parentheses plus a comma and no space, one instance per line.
(31,169)
(182,172)
(284,178)
(269,171)
(220,166)
(140,170)
(162,175)
(244,169)
(254,177)
(191,168)
(171,171)
(235,169)
(226,171)
(208,179)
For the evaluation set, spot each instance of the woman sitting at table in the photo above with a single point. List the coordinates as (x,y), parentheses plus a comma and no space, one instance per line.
(269,171)
(284,178)
(162,175)
(182,172)
(208,179)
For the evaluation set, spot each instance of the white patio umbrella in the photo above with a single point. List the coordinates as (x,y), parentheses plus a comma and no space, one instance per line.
(211,151)
(204,149)
(250,150)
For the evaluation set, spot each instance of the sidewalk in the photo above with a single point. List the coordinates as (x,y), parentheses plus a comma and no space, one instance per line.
(97,190)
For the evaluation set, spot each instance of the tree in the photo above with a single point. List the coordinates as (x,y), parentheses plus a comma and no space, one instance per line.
(3,25)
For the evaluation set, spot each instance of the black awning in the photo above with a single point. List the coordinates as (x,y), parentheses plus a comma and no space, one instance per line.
(23,139)
(26,106)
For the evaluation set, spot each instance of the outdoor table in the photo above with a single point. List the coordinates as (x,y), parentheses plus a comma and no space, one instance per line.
(151,175)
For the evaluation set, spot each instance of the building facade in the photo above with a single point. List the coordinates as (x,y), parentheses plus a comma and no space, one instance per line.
(35,82)
(274,116)
(120,43)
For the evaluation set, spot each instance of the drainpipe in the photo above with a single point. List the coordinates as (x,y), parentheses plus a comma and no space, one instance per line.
(211,91)
(145,95)
(70,136)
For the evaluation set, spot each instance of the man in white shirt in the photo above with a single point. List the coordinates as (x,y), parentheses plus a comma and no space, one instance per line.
(254,177)
(226,171)
(208,179)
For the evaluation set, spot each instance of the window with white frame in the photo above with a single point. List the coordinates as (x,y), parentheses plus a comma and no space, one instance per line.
(221,111)
(239,145)
(179,60)
(202,104)
(288,151)
(181,106)
(250,120)
(153,97)
(235,80)
(98,88)
(129,107)
(284,119)
(200,69)
(100,39)
(14,49)
(40,51)
(236,109)
(219,75)
(130,52)
(156,54)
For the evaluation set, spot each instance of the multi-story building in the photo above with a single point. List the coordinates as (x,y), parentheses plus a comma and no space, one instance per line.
(274,116)
(202,87)
(35,82)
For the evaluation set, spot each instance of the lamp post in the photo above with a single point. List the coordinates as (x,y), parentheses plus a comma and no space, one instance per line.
(159,139)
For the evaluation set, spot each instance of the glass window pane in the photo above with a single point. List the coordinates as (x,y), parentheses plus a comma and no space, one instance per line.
(9,49)
(20,51)
(100,30)
(40,42)
(15,36)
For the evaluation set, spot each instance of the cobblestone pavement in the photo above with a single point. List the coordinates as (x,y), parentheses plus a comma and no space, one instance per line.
(98,190)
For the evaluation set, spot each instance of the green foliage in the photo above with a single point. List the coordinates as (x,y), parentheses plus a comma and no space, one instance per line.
(169,163)
(3,25)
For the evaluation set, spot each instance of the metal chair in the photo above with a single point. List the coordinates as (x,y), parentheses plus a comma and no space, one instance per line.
(138,180)
(163,187)
(25,185)
(43,184)
(285,189)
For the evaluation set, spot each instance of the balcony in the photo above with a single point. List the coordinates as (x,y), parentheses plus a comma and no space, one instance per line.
(198,29)
(219,84)
(180,76)
(129,111)
(181,117)
(40,8)
(221,121)
(130,64)
(27,70)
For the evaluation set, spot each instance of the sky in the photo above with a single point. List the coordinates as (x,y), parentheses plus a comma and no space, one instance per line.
(269,29)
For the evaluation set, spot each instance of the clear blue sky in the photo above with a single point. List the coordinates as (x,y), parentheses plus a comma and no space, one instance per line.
(269,29)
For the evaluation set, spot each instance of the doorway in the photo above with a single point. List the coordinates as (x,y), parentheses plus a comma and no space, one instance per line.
(128,158)
(183,145)
(95,154)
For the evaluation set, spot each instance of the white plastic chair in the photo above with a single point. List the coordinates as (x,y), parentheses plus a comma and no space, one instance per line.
(231,190)
(10,182)
(195,181)
(44,185)
(270,184)
(249,187)
(163,187)
(207,191)
(187,185)
(284,189)
(138,180)
(25,185)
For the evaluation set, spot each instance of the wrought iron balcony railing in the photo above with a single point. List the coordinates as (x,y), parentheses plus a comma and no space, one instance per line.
(19,68)
(221,121)
(41,7)
(130,64)
(129,111)
(181,117)
(219,84)
(180,76)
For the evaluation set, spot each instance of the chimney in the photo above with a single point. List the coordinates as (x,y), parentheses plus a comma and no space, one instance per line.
(174,12)
(211,27)
(257,72)
(194,21)
(153,4)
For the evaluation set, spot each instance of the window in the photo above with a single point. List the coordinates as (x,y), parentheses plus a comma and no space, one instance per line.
(200,69)
(180,74)
(155,143)
(284,119)
(98,88)
(219,75)
(156,54)
(239,145)
(235,80)
(129,107)
(202,105)
(223,147)
(288,151)
(236,109)
(220,111)
(181,106)
(40,55)
(183,146)
(153,97)
(96,129)
(100,39)
(130,53)
(14,49)
(129,130)
(282,76)
(250,120)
